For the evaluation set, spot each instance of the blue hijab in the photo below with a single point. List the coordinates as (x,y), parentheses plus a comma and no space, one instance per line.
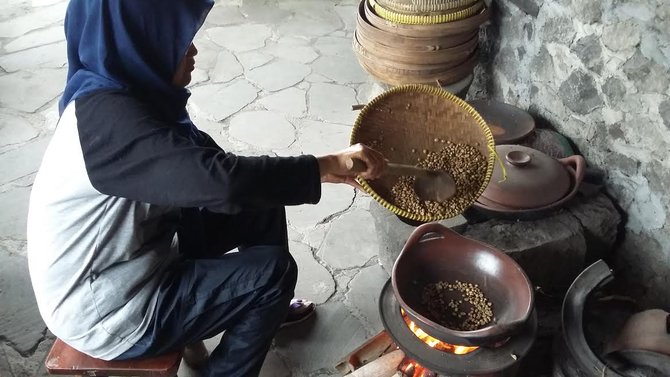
(133,45)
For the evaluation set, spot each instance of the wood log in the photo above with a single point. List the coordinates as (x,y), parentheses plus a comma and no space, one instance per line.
(372,349)
(385,366)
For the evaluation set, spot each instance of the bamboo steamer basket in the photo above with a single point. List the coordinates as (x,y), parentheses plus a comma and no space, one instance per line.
(397,59)
(398,41)
(443,56)
(411,117)
(444,79)
(457,53)
(430,18)
(436,30)
(398,73)
(424,6)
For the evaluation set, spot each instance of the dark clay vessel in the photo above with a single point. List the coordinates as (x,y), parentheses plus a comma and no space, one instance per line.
(448,256)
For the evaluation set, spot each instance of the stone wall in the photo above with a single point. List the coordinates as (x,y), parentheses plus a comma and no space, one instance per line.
(597,71)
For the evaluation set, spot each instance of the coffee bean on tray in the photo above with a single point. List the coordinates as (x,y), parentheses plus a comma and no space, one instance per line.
(466,165)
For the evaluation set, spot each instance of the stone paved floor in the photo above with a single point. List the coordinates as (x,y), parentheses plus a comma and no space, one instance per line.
(272,77)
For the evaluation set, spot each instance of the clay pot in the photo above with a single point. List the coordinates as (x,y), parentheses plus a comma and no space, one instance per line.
(534,180)
(648,331)
(644,342)
(509,124)
(448,256)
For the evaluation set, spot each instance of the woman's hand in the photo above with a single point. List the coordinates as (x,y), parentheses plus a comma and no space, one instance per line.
(337,167)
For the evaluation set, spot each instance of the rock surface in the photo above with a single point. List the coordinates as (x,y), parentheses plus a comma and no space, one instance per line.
(21,326)
(598,72)
(357,228)
(551,251)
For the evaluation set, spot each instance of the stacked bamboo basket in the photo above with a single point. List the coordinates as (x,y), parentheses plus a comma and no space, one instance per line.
(419,41)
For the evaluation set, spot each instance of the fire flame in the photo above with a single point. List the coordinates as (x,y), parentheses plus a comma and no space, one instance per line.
(435,343)
(410,368)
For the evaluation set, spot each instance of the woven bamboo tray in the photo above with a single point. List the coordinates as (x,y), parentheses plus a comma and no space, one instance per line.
(407,119)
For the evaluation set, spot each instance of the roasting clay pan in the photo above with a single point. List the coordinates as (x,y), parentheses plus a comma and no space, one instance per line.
(451,257)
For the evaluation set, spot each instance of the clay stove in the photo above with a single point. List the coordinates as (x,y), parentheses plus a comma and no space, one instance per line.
(427,356)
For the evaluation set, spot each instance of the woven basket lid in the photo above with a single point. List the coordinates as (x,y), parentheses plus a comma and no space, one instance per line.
(466,25)
(407,119)
(430,18)
(424,6)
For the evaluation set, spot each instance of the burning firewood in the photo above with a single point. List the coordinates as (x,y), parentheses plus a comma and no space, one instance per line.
(385,366)
(410,368)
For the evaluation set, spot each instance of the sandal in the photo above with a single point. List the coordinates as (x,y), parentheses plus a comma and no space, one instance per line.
(299,310)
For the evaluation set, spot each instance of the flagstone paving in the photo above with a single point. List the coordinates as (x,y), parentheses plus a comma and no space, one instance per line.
(272,77)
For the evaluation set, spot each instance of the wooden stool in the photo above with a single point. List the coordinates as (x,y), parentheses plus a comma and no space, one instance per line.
(65,360)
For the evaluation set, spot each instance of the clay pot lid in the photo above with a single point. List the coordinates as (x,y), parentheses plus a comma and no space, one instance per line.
(533,179)
(508,123)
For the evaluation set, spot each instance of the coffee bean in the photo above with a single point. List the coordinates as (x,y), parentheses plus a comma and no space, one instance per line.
(474,314)
(465,164)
